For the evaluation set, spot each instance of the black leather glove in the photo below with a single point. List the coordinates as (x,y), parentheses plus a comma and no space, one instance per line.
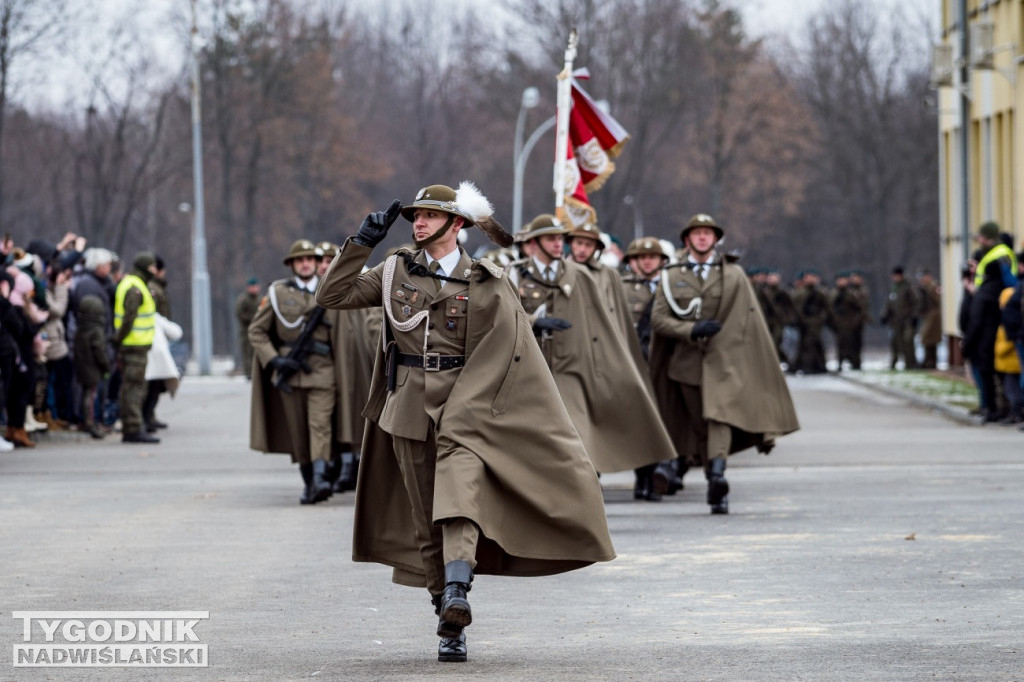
(375,226)
(281,362)
(705,329)
(553,324)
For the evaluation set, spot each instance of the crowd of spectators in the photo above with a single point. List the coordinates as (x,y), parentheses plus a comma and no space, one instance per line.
(58,360)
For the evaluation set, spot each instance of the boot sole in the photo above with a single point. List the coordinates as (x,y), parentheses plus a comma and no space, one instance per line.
(452,658)
(453,620)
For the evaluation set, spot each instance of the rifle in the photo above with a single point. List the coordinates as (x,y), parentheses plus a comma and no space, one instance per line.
(303,346)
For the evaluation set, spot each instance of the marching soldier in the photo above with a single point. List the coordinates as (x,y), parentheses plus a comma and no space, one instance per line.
(463,410)
(302,357)
(645,258)
(714,366)
(585,248)
(245,309)
(584,347)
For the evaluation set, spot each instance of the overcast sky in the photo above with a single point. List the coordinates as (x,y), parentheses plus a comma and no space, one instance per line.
(58,79)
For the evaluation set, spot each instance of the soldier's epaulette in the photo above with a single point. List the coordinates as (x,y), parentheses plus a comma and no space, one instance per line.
(680,264)
(491,267)
(284,281)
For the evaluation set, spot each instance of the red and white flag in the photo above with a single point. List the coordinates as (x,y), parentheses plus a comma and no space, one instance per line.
(594,139)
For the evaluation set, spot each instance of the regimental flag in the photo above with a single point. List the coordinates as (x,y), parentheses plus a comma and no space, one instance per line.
(595,138)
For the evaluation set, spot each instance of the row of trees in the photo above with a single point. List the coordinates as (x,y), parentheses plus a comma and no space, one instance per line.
(820,155)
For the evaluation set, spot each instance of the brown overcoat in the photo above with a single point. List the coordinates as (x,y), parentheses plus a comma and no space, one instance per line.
(737,369)
(599,371)
(348,370)
(508,457)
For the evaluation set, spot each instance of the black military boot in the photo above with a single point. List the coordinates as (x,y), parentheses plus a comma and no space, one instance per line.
(452,649)
(306,470)
(449,649)
(661,478)
(347,473)
(455,613)
(321,487)
(679,470)
(718,487)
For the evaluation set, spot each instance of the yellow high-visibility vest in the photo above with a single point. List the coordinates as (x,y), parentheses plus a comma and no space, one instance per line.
(144,327)
(996,252)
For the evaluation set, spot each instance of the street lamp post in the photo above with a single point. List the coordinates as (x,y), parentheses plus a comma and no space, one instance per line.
(202,319)
(638,218)
(517,194)
(530,99)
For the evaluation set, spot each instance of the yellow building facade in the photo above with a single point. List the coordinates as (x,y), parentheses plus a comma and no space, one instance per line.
(993,98)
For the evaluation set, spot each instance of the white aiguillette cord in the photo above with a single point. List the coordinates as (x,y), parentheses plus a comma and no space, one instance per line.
(412,322)
(691,310)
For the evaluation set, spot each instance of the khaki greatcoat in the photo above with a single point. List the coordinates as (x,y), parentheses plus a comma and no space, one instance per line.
(737,369)
(609,398)
(508,457)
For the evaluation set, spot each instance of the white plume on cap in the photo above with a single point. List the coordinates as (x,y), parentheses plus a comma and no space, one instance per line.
(472,202)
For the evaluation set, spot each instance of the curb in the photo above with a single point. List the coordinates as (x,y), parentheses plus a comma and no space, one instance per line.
(954,413)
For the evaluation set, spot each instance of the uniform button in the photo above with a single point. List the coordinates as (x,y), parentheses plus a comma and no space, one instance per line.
(433,306)
(429,346)
(430,326)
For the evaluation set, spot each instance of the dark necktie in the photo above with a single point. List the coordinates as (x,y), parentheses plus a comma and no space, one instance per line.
(435,268)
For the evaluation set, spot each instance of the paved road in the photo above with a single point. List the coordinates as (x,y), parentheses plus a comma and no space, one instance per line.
(880,542)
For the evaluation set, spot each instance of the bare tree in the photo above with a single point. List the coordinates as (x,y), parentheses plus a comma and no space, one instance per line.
(26,27)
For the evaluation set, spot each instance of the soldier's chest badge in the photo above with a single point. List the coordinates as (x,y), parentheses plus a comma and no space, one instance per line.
(453,309)
(406,310)
(451,324)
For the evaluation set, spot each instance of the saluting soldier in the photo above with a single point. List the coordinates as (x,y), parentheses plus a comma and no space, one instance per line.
(714,366)
(584,347)
(464,411)
(303,402)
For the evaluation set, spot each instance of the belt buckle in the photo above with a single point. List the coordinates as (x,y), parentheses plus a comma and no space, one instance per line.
(431,362)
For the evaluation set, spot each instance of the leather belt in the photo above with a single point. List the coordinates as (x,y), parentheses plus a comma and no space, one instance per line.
(431,362)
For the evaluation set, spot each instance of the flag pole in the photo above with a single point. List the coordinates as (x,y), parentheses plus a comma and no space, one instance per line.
(563,102)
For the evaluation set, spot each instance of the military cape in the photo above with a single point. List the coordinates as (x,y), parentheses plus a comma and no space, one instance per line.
(742,384)
(508,456)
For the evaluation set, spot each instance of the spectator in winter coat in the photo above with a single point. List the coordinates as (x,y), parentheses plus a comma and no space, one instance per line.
(92,363)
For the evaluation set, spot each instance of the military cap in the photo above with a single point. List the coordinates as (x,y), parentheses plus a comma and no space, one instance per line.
(329,249)
(645,246)
(252,281)
(701,220)
(897,270)
(989,230)
(439,198)
(544,224)
(302,247)
(588,231)
(466,202)
(143,259)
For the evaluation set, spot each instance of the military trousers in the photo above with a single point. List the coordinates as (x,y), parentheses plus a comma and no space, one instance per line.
(133,387)
(714,438)
(308,416)
(454,539)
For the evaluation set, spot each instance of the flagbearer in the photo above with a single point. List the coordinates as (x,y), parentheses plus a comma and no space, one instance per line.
(458,391)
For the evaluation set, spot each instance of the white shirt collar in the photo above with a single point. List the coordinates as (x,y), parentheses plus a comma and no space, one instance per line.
(448,262)
(543,268)
(309,286)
